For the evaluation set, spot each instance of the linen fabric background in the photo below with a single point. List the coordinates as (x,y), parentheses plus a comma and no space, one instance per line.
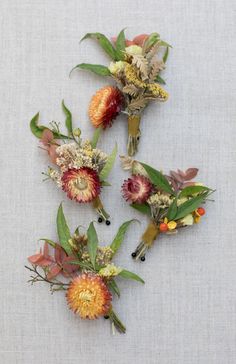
(185,313)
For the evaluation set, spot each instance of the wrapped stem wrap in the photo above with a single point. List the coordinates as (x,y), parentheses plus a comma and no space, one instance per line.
(98,206)
(150,234)
(133,133)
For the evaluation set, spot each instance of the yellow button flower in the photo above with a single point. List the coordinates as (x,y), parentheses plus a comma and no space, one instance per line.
(171,225)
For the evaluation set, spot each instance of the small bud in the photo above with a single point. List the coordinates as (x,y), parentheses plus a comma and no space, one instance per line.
(77,132)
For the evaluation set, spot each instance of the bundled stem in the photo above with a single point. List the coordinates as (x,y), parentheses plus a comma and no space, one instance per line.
(98,206)
(133,133)
(116,321)
(148,238)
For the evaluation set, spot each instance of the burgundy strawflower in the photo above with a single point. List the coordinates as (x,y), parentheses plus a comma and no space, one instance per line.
(136,189)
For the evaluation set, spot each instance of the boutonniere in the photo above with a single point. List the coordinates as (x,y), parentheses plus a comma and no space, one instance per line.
(77,265)
(80,169)
(136,71)
(171,201)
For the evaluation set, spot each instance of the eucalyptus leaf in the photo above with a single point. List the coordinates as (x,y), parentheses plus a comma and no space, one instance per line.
(172,210)
(104,43)
(92,243)
(191,190)
(95,68)
(165,57)
(117,241)
(190,205)
(158,179)
(120,44)
(68,121)
(113,287)
(63,231)
(108,165)
(142,207)
(160,80)
(130,275)
(37,130)
(96,136)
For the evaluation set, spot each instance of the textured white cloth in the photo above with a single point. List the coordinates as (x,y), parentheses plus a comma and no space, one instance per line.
(185,313)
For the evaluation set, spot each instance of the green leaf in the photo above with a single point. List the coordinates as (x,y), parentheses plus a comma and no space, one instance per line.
(142,207)
(50,242)
(113,287)
(37,130)
(172,210)
(96,136)
(166,55)
(191,190)
(95,68)
(82,264)
(68,121)
(63,231)
(120,44)
(92,243)
(108,165)
(190,205)
(130,275)
(152,39)
(158,179)
(118,239)
(160,80)
(104,43)
(162,43)
(105,183)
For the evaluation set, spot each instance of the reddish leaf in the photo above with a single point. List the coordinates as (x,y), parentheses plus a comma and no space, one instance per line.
(187,184)
(140,39)
(53,272)
(190,173)
(34,259)
(46,250)
(52,153)
(47,137)
(176,176)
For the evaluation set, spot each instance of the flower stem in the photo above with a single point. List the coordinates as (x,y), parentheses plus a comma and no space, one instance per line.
(98,206)
(148,238)
(133,134)
(116,321)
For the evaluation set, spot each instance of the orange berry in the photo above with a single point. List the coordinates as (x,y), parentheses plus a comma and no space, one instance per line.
(201,211)
(163,227)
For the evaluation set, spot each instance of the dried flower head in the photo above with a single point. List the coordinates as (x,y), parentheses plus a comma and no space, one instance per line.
(105,105)
(82,184)
(88,296)
(136,189)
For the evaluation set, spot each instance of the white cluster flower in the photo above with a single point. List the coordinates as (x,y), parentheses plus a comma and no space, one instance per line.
(110,271)
(133,50)
(55,176)
(187,220)
(74,156)
(116,67)
(160,200)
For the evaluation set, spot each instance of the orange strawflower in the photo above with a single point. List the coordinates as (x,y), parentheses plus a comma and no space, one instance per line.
(105,105)
(88,296)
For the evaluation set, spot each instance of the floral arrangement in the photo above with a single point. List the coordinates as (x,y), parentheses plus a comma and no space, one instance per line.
(80,168)
(136,71)
(83,269)
(171,202)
